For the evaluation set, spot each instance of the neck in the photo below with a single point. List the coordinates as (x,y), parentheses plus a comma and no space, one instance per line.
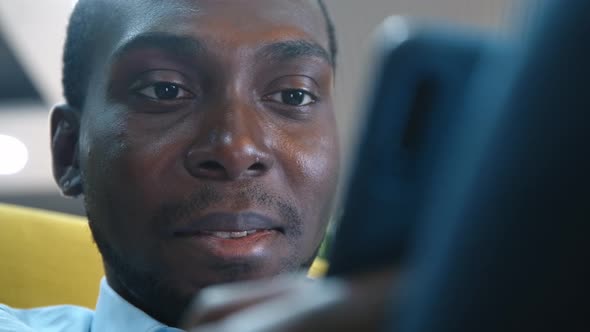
(144,295)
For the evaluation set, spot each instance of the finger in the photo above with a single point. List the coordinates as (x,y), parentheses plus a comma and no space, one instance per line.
(217,302)
(279,313)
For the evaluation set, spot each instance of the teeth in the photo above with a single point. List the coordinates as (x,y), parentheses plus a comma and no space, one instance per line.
(232,235)
(223,235)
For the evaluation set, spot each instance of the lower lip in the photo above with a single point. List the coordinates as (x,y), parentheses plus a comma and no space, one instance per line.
(251,245)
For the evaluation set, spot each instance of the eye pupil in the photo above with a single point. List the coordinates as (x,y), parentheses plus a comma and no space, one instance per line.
(166,91)
(293,97)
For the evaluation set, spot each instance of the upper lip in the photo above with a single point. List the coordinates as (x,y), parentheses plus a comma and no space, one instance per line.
(228,222)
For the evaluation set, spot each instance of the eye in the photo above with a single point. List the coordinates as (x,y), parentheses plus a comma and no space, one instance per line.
(165,91)
(293,97)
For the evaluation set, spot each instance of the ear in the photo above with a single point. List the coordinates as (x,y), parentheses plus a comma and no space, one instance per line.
(65,132)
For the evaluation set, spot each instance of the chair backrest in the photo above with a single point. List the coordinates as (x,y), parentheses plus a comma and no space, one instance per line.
(46,258)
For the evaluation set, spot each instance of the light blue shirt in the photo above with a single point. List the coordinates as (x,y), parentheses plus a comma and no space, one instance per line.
(113,314)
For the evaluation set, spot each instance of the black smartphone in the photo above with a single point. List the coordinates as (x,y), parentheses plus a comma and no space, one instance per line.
(421,77)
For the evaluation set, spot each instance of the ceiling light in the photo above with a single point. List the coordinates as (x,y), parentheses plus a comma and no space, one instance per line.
(13,155)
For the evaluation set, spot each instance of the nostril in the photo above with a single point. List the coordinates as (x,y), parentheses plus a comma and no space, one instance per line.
(227,166)
(258,167)
(211,166)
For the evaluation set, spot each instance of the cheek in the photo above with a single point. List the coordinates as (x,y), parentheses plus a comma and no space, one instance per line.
(146,155)
(101,146)
(318,164)
(311,163)
(123,168)
(316,175)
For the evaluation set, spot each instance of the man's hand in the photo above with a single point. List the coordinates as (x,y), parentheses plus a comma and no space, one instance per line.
(294,304)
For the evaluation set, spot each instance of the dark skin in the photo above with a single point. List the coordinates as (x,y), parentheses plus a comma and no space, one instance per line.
(203,120)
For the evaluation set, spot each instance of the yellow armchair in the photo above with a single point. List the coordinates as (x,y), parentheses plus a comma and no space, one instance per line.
(46,258)
(49,258)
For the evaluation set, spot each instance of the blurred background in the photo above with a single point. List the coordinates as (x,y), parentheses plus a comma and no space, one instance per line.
(31,40)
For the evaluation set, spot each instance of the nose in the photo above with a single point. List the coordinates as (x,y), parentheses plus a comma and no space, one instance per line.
(230,149)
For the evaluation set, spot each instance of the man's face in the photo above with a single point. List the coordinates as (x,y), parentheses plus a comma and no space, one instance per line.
(208,144)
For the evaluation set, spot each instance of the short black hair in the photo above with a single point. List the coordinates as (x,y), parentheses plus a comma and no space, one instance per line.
(83,27)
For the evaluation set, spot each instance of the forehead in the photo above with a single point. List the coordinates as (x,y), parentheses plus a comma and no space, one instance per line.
(233,23)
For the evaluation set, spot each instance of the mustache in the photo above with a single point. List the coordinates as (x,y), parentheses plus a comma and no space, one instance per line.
(208,196)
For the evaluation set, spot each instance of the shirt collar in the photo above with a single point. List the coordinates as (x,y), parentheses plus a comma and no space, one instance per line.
(114,314)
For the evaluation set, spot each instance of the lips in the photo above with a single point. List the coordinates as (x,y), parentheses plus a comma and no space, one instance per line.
(228,225)
(226,237)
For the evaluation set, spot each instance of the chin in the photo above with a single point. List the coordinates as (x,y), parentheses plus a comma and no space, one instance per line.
(229,271)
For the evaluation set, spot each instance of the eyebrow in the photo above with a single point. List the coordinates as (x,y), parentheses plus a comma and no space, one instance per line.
(292,49)
(188,46)
(173,44)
